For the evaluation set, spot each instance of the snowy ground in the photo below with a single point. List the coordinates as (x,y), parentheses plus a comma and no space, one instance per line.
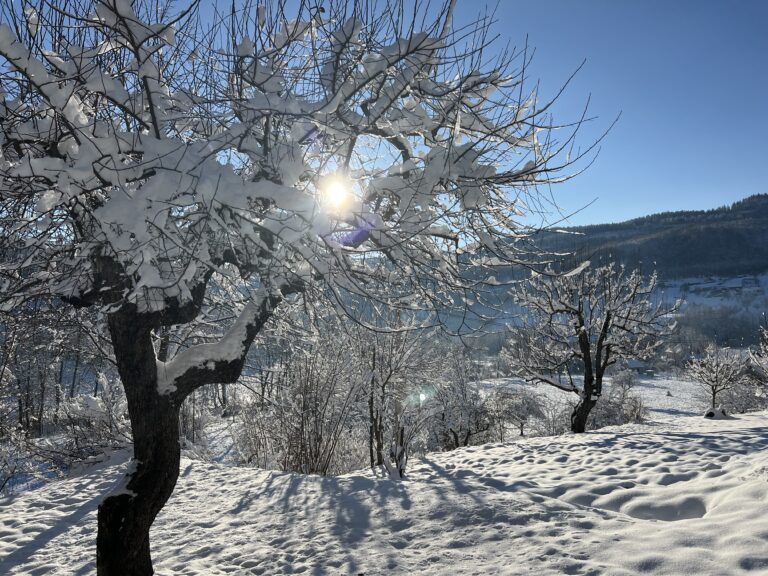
(682,496)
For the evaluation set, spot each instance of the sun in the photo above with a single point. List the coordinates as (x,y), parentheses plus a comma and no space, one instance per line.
(336,192)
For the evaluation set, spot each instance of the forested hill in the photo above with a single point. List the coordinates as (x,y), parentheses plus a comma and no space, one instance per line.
(726,241)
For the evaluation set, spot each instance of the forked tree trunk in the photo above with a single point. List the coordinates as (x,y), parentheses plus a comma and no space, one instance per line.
(593,373)
(580,414)
(125,517)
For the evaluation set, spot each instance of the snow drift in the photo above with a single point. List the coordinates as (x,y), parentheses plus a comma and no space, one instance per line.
(688,496)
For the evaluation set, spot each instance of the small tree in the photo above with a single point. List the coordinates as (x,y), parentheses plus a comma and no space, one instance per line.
(555,416)
(514,406)
(584,321)
(400,365)
(752,392)
(717,372)
(461,413)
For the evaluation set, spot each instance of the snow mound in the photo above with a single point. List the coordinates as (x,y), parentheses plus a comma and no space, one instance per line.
(688,496)
(716,413)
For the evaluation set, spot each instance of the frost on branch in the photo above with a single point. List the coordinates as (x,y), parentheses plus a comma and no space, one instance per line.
(760,356)
(717,372)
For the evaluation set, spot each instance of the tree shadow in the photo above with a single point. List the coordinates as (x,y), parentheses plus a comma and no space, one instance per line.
(719,441)
(348,502)
(42,538)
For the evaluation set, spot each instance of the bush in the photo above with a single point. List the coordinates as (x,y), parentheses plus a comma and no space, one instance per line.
(620,405)
(15,461)
(555,418)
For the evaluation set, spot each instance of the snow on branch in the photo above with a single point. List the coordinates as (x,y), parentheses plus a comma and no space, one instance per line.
(220,361)
(147,155)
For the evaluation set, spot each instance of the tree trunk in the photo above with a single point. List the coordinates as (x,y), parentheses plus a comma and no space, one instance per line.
(593,388)
(41,409)
(59,388)
(223,398)
(580,414)
(28,405)
(125,517)
(455,436)
(400,453)
(376,428)
(74,374)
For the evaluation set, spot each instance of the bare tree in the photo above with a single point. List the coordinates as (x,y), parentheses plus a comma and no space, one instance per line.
(752,392)
(401,365)
(153,166)
(620,405)
(718,371)
(462,414)
(759,357)
(584,321)
(313,397)
(514,406)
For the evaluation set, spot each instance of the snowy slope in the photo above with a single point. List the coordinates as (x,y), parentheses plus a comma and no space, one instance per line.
(687,496)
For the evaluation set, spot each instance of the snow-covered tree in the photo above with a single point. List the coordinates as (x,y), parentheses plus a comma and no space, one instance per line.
(152,165)
(759,357)
(718,371)
(461,413)
(401,368)
(582,322)
(514,406)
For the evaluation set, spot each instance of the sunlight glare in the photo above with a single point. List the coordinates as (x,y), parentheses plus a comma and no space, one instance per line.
(336,193)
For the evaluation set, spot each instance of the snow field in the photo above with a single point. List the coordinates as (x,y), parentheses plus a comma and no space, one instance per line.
(683,496)
(664,396)
(679,499)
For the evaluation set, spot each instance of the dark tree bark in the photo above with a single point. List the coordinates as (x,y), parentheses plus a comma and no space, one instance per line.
(126,516)
(593,372)
(580,414)
(124,519)
(376,428)
(42,376)
(73,383)
(455,437)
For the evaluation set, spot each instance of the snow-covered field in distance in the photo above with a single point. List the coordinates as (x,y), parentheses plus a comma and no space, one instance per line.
(679,495)
(746,292)
(663,395)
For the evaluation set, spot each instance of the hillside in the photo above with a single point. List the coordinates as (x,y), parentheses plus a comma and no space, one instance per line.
(727,241)
(682,496)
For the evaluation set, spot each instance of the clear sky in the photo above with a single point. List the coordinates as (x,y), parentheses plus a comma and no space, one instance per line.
(690,78)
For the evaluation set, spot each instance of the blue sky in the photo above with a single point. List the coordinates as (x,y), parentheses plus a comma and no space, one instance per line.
(690,78)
